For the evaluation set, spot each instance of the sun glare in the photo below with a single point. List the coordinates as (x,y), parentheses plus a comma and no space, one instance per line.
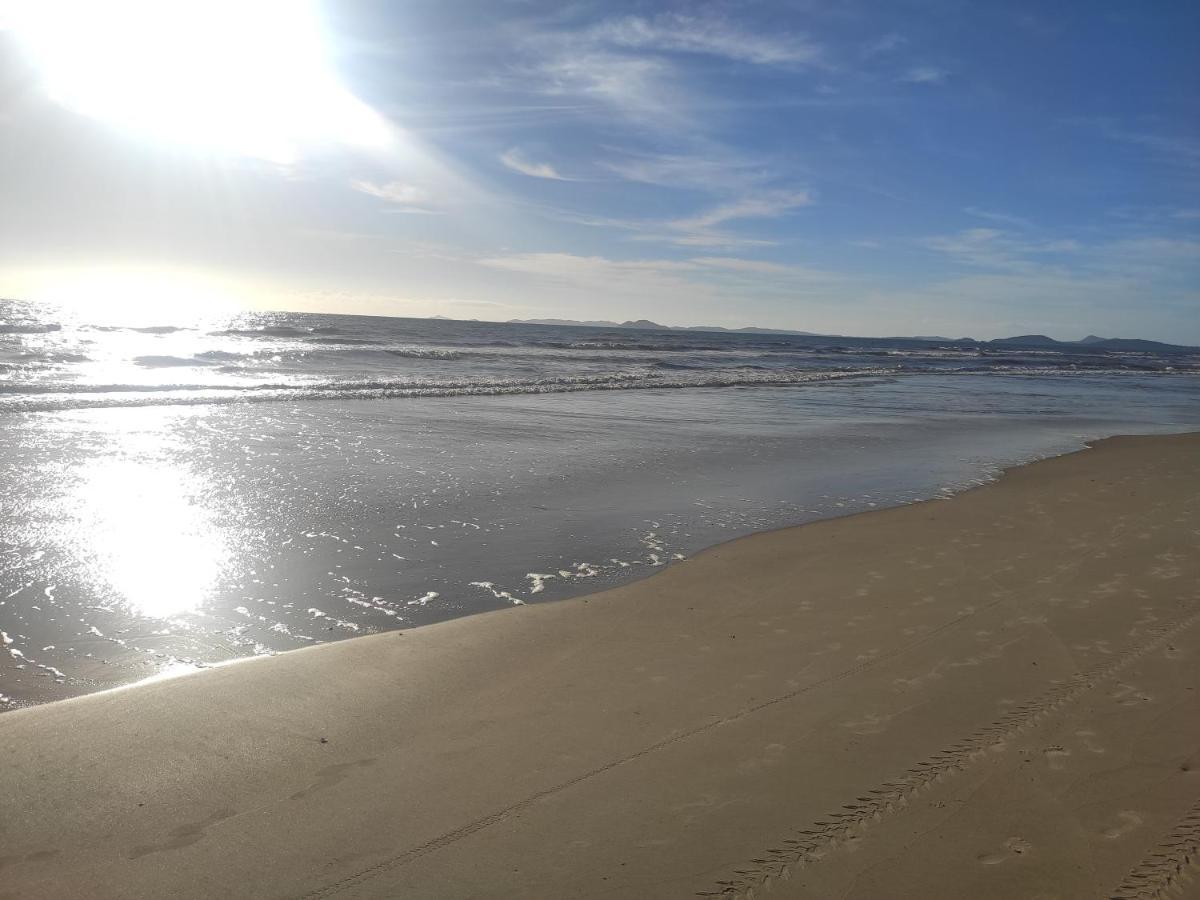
(247,77)
(153,544)
(116,295)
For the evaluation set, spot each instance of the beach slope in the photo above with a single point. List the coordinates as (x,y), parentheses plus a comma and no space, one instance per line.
(989,696)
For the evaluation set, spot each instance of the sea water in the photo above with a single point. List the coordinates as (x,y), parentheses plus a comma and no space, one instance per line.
(178,494)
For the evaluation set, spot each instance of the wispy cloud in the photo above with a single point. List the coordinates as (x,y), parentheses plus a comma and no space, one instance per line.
(764,206)
(639,88)
(993,248)
(737,264)
(517,161)
(710,35)
(998,217)
(635,65)
(924,75)
(406,197)
(701,229)
(716,169)
(1169,262)
(884,44)
(1172,148)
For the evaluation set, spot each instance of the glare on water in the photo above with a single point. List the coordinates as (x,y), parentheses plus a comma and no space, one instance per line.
(148,537)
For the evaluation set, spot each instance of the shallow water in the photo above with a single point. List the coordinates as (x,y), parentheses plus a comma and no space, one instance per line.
(153,539)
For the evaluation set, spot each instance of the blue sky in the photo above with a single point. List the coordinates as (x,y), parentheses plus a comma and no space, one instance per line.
(856,167)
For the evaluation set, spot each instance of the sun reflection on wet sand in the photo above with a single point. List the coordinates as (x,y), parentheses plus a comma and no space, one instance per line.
(143,529)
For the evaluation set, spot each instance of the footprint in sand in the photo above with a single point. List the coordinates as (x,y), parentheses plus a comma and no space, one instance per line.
(1013,848)
(1094,647)
(1087,738)
(1129,695)
(869,724)
(1025,620)
(1166,573)
(1129,820)
(919,681)
(771,755)
(1056,757)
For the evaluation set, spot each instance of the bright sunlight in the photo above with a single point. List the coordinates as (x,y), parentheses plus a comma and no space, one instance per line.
(130,295)
(245,77)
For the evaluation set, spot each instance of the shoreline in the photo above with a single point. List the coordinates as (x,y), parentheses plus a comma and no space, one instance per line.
(626,741)
(95,676)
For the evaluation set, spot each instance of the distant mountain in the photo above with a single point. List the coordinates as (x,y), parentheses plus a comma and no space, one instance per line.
(1092,342)
(1027,340)
(749,329)
(647,325)
(1136,345)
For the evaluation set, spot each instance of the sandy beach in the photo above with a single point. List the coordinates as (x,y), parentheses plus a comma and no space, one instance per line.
(990,696)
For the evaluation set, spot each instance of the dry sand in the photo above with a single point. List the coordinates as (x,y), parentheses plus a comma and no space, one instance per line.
(991,696)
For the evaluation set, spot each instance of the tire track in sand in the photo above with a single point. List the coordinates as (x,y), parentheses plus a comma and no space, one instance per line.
(1169,863)
(450,837)
(812,843)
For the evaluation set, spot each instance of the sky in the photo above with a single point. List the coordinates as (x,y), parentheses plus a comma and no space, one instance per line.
(871,168)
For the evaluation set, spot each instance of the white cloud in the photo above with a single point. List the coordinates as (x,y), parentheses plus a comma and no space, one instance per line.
(985,248)
(571,266)
(516,161)
(1000,218)
(717,169)
(701,229)
(709,35)
(764,206)
(409,197)
(1136,265)
(638,88)
(884,44)
(632,65)
(1066,245)
(1171,148)
(924,75)
(737,264)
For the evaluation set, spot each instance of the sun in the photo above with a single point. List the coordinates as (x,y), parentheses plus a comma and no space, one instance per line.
(246,77)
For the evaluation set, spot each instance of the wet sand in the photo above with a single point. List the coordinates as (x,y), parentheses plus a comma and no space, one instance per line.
(991,696)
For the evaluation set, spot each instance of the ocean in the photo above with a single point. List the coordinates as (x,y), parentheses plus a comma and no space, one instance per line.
(182,492)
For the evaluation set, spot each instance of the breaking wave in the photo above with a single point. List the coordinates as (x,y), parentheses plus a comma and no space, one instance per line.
(32,398)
